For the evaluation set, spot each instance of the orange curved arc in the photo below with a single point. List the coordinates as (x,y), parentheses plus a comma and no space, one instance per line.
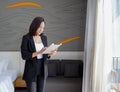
(68,40)
(24,4)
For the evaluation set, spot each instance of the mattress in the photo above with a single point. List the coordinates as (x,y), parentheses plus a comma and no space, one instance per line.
(6,84)
(11,73)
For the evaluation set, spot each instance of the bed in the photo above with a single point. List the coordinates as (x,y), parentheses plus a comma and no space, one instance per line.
(11,73)
(6,84)
(7,77)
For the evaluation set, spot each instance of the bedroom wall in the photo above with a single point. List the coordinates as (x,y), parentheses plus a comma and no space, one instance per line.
(17,63)
(65,20)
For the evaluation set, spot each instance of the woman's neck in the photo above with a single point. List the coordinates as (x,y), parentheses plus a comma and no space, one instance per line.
(37,39)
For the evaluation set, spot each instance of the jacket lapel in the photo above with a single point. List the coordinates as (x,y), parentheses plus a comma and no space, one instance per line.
(32,43)
(43,40)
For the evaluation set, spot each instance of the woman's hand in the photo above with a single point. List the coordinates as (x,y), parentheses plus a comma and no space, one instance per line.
(52,53)
(34,54)
(42,50)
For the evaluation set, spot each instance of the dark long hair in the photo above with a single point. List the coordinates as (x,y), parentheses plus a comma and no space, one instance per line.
(35,25)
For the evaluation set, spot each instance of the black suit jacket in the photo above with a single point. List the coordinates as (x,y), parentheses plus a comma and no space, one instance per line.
(27,48)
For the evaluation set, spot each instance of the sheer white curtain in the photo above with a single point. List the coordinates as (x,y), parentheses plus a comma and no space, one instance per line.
(102,63)
(98,47)
(89,44)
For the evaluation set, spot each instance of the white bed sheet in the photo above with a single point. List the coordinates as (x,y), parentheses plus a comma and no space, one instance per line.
(11,73)
(6,84)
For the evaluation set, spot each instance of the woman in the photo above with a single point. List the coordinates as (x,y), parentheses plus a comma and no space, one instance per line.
(33,44)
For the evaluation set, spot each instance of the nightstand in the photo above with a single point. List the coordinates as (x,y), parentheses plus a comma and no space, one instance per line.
(19,82)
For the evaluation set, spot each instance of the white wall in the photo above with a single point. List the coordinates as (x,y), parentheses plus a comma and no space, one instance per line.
(17,63)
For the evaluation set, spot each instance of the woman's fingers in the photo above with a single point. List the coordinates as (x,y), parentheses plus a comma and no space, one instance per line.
(53,52)
(43,49)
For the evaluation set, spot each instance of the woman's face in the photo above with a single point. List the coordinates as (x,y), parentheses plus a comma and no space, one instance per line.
(40,29)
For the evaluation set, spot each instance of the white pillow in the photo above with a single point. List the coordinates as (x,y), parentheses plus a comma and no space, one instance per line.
(4,64)
(1,66)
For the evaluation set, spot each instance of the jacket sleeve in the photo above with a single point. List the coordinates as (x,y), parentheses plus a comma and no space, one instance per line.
(25,53)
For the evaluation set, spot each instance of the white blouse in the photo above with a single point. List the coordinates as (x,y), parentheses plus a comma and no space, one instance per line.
(38,47)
